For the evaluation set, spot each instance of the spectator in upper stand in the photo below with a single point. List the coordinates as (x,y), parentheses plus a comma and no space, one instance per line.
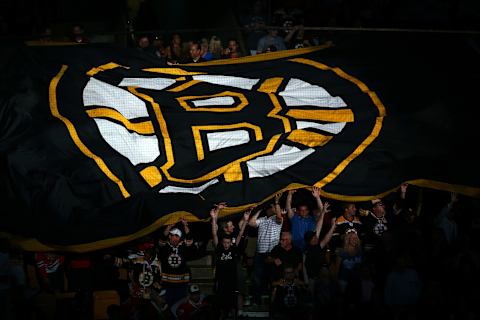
(159,48)
(269,229)
(215,47)
(284,254)
(78,34)
(272,38)
(301,220)
(206,54)
(175,49)
(174,251)
(227,264)
(295,38)
(144,44)
(270,48)
(255,33)
(195,53)
(232,50)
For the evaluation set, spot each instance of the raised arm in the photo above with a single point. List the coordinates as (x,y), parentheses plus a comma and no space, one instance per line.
(243,224)
(318,227)
(214,214)
(278,209)
(253,220)
(288,204)
(328,236)
(167,229)
(316,195)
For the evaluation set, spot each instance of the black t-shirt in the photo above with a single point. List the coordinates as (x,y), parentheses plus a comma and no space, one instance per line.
(292,258)
(315,259)
(226,262)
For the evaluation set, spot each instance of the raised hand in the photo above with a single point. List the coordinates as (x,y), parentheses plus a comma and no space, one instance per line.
(278,196)
(220,206)
(326,207)
(316,192)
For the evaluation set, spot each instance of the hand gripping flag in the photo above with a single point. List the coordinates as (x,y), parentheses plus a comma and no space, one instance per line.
(101,145)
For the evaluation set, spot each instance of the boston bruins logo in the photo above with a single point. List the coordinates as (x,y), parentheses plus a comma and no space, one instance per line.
(174,260)
(145,278)
(379,229)
(193,129)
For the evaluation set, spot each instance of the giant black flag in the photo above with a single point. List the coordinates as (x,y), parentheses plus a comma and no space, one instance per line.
(101,145)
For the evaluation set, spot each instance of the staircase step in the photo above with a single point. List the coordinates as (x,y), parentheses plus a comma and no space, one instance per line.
(202,272)
(206,260)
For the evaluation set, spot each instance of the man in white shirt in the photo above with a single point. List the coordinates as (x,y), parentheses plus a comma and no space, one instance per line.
(269,228)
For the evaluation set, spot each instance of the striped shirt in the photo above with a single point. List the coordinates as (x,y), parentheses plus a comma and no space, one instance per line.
(268,233)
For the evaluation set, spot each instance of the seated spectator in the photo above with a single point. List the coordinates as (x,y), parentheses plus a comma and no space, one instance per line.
(78,34)
(195,307)
(232,50)
(206,54)
(272,38)
(215,47)
(256,30)
(290,297)
(195,53)
(175,49)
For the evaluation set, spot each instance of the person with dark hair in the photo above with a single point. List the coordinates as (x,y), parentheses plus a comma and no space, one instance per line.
(196,53)
(227,262)
(232,50)
(174,51)
(315,256)
(290,297)
(272,38)
(301,219)
(78,34)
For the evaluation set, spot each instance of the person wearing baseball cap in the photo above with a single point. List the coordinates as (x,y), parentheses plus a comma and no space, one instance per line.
(194,307)
(175,248)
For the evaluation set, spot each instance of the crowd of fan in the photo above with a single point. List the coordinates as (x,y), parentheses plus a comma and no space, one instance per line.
(306,258)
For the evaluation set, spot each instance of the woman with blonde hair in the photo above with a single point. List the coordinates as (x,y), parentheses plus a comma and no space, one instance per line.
(215,47)
(349,262)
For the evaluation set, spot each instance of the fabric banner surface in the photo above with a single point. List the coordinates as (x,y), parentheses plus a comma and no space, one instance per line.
(101,145)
